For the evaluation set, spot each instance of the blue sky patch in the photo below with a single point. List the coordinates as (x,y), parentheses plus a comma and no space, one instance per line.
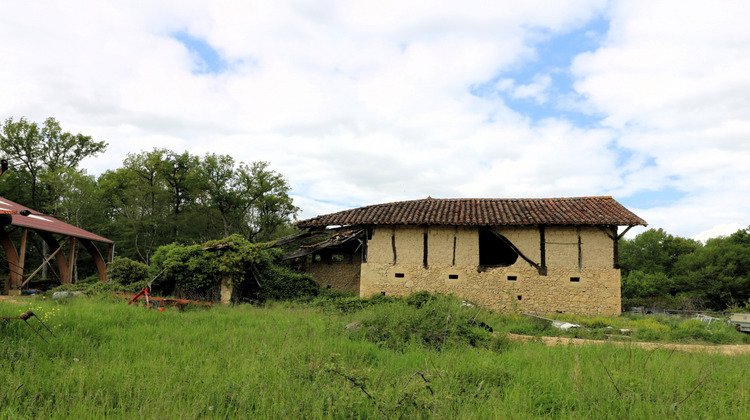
(549,75)
(207,59)
(649,199)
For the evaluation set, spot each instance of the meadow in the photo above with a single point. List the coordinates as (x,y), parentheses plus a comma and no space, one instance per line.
(419,358)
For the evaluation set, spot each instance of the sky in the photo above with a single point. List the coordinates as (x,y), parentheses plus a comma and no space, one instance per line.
(365,102)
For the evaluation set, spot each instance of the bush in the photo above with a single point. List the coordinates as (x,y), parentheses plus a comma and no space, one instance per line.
(282,283)
(127,272)
(336,301)
(254,270)
(440,322)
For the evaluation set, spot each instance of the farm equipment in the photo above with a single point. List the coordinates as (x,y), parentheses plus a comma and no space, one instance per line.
(741,322)
(159,303)
(25,318)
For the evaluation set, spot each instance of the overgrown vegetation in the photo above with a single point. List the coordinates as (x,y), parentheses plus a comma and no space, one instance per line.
(661,269)
(295,360)
(196,271)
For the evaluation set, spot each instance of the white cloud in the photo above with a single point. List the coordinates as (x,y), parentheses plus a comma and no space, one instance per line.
(358,102)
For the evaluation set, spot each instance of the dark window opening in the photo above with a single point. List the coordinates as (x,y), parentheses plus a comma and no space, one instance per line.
(575,279)
(453,276)
(399,275)
(512,278)
(337,258)
(382,293)
(494,250)
(519,297)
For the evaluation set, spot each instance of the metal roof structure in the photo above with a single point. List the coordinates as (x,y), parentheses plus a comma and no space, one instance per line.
(50,224)
(602,211)
(46,227)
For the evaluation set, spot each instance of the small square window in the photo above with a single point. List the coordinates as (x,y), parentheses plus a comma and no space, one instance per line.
(399,275)
(519,297)
(575,279)
(512,278)
(453,276)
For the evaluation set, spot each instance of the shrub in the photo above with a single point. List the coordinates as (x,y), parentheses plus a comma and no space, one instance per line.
(283,283)
(127,272)
(254,269)
(440,322)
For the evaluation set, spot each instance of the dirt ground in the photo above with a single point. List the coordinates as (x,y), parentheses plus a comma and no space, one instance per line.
(12,299)
(728,349)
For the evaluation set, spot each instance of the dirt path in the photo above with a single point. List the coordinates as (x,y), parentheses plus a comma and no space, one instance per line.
(11,299)
(728,349)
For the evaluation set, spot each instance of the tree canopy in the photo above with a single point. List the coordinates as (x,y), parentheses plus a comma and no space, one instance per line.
(155,198)
(43,155)
(715,274)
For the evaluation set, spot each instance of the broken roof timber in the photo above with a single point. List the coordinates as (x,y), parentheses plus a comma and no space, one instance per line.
(334,241)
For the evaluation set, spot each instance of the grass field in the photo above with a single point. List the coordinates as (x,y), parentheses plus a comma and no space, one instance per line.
(300,361)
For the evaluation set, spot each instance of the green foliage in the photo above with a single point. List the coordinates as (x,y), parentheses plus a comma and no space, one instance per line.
(719,272)
(159,197)
(637,284)
(653,251)
(111,360)
(253,269)
(684,272)
(42,153)
(126,272)
(435,322)
(190,269)
(334,302)
(282,283)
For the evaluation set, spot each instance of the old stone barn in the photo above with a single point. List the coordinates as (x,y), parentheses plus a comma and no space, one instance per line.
(534,255)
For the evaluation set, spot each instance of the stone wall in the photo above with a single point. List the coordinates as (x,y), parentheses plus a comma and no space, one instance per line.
(580,278)
(340,272)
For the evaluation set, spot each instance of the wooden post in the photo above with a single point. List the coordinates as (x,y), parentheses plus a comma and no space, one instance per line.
(542,251)
(71,260)
(12,256)
(22,255)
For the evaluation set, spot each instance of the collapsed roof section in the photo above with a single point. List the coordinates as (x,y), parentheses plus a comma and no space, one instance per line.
(336,241)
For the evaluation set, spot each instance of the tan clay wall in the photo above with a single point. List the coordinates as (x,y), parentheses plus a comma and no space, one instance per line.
(343,275)
(597,248)
(596,292)
(526,239)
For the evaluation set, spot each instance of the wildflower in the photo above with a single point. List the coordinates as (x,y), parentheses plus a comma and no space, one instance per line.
(75,359)
(211,408)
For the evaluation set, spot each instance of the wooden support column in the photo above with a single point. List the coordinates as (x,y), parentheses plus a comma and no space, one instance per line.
(12,256)
(393,244)
(71,259)
(101,265)
(424,256)
(580,248)
(542,251)
(615,248)
(22,255)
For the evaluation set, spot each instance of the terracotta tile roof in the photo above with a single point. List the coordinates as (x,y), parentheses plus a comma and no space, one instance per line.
(485,212)
(37,221)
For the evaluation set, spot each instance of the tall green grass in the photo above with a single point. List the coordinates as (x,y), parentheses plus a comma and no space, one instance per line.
(299,361)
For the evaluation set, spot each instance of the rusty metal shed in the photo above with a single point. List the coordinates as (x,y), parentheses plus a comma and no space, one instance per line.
(55,234)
